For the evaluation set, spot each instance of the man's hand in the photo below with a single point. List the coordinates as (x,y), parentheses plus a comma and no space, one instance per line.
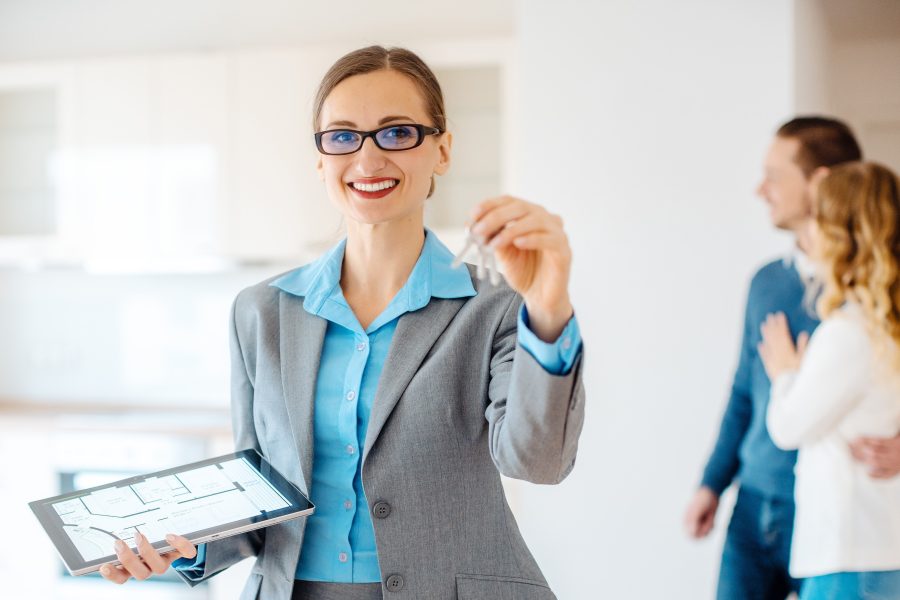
(701,513)
(881,455)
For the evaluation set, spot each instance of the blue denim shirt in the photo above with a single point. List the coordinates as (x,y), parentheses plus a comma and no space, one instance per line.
(339,540)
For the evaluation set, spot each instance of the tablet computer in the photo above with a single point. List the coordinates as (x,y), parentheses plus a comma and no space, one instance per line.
(202,501)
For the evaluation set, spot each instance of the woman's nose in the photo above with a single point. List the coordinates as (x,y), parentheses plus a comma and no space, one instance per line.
(370,158)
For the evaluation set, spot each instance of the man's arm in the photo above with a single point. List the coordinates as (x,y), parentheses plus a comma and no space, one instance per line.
(724,462)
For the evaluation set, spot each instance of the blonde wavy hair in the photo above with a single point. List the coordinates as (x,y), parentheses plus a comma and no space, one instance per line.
(857,211)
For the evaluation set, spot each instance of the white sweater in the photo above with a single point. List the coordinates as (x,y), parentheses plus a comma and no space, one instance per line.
(845,520)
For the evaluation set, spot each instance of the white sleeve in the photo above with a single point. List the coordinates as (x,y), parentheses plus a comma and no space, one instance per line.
(809,403)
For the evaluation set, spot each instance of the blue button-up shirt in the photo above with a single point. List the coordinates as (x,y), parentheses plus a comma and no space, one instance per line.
(339,541)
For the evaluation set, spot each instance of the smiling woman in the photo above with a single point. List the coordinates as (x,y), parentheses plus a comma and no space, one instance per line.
(350,167)
(392,387)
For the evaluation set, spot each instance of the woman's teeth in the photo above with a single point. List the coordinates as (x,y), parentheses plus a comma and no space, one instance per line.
(374,187)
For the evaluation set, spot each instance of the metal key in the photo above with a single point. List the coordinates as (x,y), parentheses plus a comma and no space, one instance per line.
(487,264)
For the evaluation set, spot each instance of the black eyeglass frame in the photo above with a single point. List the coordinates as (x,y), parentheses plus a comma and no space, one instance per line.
(423,130)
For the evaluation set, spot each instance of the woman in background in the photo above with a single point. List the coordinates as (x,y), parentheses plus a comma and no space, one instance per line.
(843,384)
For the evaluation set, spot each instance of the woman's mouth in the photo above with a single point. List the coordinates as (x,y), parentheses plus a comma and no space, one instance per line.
(372,189)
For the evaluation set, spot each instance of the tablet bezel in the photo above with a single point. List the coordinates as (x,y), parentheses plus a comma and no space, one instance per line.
(299,506)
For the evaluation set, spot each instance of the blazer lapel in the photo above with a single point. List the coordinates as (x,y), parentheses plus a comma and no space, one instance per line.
(416,333)
(302,336)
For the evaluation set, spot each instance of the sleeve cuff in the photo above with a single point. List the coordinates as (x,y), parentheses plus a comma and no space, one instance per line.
(192,568)
(557,357)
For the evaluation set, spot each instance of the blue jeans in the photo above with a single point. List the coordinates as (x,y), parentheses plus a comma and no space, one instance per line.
(758,550)
(870,585)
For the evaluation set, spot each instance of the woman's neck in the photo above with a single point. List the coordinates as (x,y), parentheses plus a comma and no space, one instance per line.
(379,258)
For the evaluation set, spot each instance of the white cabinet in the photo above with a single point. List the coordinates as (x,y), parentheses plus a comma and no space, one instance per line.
(145,162)
(32,101)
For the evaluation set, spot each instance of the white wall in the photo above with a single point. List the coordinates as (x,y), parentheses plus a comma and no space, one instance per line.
(812,58)
(646,123)
(866,90)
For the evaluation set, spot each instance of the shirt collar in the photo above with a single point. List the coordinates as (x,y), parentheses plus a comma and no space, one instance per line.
(432,276)
(801,261)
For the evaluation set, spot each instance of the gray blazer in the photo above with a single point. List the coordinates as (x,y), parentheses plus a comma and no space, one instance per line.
(459,402)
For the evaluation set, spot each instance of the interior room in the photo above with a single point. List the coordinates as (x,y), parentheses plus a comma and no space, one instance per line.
(156,158)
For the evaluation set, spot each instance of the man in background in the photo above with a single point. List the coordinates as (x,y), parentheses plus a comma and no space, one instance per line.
(757,546)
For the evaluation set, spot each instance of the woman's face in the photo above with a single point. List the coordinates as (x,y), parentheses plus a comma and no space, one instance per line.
(367,102)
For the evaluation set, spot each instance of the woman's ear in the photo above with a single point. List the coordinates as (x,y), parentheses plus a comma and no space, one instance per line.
(444,147)
(320,168)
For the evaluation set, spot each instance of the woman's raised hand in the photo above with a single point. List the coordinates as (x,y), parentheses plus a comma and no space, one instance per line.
(530,244)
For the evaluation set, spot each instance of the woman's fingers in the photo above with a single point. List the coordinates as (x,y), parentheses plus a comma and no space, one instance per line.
(512,229)
(149,560)
(775,332)
(150,556)
(802,342)
(131,561)
(487,206)
(538,240)
(492,222)
(183,548)
(114,573)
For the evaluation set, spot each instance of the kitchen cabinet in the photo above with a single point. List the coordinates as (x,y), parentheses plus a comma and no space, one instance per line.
(145,162)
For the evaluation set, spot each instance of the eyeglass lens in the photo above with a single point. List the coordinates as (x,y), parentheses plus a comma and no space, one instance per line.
(394,137)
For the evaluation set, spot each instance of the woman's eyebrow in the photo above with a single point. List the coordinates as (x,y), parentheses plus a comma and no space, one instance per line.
(381,121)
(395,118)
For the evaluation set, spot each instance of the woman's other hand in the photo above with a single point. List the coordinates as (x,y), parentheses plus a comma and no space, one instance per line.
(777,349)
(146,561)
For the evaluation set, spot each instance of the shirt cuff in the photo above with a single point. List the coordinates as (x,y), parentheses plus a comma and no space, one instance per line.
(557,357)
(192,568)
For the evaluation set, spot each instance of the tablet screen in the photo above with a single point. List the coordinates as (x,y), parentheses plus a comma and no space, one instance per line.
(201,501)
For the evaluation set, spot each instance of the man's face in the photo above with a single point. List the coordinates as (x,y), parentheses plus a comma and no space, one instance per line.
(784,186)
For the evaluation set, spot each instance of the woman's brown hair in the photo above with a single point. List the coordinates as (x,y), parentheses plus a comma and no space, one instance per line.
(858,217)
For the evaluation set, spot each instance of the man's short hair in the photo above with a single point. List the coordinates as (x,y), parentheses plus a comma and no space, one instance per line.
(824,142)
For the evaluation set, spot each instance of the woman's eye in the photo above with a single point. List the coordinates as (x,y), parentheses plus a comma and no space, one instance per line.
(398,133)
(343,137)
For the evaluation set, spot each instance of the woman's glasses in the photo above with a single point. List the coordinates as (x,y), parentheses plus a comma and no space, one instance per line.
(391,138)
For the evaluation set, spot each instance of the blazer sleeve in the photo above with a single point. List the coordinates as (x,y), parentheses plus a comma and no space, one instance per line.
(534,417)
(222,554)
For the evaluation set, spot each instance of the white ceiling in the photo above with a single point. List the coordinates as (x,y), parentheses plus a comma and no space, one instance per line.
(862,19)
(49,29)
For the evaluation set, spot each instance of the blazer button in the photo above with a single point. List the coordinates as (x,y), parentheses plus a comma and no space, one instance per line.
(394,583)
(381,510)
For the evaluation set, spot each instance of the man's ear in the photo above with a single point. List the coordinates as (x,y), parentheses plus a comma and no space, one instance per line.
(816,177)
(444,147)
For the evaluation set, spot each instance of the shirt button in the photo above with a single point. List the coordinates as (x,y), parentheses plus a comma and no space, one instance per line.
(360,347)
(350,449)
(348,505)
(351,395)
(342,557)
(567,343)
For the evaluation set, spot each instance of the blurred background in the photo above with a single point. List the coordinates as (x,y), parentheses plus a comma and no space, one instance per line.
(156,158)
